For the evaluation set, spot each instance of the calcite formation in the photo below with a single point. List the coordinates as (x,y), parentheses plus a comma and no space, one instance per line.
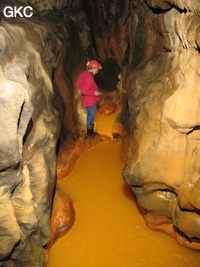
(28,136)
(156,44)
(163,93)
(41,58)
(63,215)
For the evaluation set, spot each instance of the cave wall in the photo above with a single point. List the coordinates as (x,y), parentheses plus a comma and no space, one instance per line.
(156,45)
(161,85)
(41,58)
(29,131)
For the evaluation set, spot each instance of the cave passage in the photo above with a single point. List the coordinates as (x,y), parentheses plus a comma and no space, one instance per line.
(149,51)
(109,230)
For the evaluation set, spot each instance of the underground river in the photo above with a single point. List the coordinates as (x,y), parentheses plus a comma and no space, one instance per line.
(109,231)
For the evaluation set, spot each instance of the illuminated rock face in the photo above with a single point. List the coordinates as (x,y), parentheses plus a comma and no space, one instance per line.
(39,67)
(28,134)
(157,43)
(163,94)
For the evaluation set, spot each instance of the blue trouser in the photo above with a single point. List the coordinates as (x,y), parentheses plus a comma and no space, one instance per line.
(90,116)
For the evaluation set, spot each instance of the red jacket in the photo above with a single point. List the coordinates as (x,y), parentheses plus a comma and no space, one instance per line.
(88,87)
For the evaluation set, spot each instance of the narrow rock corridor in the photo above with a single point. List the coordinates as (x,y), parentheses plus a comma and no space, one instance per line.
(149,51)
(109,231)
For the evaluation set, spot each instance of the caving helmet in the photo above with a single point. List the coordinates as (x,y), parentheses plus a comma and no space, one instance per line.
(94,64)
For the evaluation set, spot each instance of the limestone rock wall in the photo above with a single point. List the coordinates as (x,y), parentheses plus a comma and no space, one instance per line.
(41,58)
(29,132)
(110,25)
(157,45)
(161,86)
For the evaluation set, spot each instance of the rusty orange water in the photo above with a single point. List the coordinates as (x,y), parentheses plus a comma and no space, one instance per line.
(109,231)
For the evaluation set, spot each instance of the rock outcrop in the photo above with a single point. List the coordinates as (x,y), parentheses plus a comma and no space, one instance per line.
(41,58)
(163,95)
(62,217)
(156,44)
(37,76)
(28,136)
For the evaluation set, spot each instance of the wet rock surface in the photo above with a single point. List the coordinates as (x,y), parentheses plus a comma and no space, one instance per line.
(28,135)
(162,91)
(63,215)
(156,44)
(39,67)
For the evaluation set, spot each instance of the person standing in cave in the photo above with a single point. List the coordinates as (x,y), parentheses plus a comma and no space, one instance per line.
(90,93)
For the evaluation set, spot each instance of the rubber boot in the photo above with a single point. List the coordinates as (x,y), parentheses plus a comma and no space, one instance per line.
(90,130)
